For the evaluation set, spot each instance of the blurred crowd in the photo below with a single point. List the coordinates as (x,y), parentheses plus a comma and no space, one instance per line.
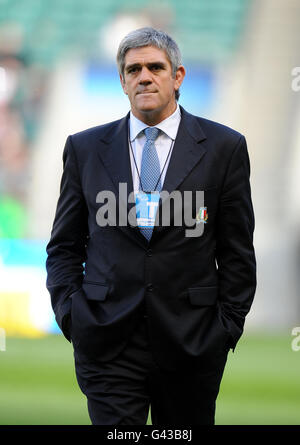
(22,89)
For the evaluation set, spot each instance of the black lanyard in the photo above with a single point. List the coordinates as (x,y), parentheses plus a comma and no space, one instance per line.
(172,143)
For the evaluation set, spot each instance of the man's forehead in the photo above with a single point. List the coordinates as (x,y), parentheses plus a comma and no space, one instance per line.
(145,54)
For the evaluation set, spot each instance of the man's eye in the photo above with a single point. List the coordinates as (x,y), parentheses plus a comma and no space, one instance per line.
(132,70)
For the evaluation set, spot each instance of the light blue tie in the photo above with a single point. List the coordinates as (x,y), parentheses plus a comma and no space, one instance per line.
(150,170)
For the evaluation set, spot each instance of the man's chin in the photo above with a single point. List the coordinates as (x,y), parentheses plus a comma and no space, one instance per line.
(148,107)
(146,103)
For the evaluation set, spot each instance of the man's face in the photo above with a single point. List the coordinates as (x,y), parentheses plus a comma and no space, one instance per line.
(149,83)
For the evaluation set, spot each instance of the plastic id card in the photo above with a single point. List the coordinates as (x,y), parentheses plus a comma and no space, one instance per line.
(146,206)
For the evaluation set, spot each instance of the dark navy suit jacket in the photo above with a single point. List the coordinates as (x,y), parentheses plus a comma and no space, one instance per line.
(197,291)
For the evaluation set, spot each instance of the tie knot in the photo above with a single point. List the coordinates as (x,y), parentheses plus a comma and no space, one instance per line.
(151,133)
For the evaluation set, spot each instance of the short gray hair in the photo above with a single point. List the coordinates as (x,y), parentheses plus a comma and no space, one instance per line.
(149,37)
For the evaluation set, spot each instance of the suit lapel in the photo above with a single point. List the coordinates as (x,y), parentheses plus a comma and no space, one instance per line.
(116,156)
(116,160)
(187,151)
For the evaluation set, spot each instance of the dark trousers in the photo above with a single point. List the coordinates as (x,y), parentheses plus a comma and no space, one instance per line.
(120,392)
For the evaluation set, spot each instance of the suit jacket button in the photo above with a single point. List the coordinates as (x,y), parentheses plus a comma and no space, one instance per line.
(149,287)
(149,252)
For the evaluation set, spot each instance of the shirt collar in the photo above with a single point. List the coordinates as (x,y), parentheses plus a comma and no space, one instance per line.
(169,125)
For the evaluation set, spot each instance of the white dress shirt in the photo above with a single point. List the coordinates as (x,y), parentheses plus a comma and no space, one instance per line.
(163,143)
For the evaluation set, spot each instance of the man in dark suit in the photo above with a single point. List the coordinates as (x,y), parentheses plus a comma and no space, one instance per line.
(151,308)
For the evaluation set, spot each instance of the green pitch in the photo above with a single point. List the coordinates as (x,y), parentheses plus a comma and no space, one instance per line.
(38,384)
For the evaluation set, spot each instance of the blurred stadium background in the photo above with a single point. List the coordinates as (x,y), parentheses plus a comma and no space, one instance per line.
(58,76)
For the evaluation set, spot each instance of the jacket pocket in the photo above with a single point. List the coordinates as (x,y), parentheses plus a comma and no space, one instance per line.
(203,296)
(95,291)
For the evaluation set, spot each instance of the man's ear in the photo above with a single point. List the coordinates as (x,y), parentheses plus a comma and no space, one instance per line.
(179,76)
(123,84)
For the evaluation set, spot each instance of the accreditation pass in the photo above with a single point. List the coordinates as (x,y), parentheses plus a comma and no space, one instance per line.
(146,207)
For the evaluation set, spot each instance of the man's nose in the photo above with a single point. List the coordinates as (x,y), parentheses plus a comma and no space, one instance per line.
(145,76)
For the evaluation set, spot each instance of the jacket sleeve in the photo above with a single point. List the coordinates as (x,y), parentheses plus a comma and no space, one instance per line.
(234,250)
(66,250)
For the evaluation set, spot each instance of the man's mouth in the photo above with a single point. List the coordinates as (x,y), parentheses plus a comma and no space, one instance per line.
(146,92)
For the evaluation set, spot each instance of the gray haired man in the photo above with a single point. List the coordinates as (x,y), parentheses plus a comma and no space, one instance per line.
(151,312)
